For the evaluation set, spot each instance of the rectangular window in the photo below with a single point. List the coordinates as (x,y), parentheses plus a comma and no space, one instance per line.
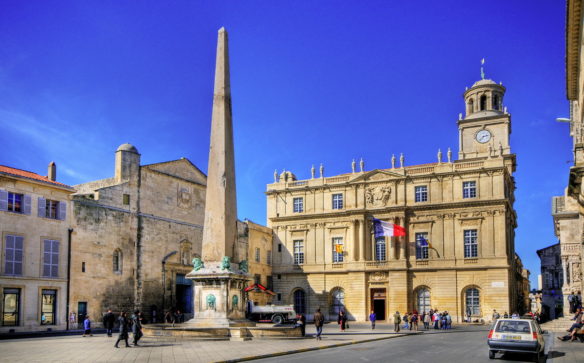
(13,255)
(52,209)
(470,243)
(338,249)
(257,279)
(48,307)
(422,193)
(50,258)
(269,257)
(279,297)
(11,307)
(270,283)
(279,247)
(380,249)
(469,189)
(338,201)
(257,255)
(82,266)
(126,199)
(15,202)
(298,252)
(421,250)
(298,205)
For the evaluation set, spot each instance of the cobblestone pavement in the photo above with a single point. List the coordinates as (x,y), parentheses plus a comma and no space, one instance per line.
(99,348)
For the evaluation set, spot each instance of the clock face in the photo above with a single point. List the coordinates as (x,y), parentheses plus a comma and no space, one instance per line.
(483,136)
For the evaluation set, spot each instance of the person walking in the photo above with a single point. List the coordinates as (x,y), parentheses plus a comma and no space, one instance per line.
(87,326)
(414,321)
(496,315)
(448,321)
(372,319)
(318,323)
(405,319)
(123,322)
(396,321)
(136,327)
(108,322)
(342,320)
(436,320)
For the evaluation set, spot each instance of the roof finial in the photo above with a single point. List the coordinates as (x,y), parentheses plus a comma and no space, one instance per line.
(482,68)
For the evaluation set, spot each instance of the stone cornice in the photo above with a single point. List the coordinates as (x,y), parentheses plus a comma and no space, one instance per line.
(400,210)
(573,44)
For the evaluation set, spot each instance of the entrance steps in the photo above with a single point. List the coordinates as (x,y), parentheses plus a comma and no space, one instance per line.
(558,325)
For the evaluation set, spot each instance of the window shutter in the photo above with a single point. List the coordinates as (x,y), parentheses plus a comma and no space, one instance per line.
(62,210)
(27,204)
(3,200)
(9,255)
(42,207)
(18,246)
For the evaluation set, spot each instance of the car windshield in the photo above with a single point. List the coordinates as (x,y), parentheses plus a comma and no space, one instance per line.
(513,326)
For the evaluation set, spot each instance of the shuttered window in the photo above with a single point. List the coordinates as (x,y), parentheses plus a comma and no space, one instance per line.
(50,258)
(13,252)
(14,202)
(52,209)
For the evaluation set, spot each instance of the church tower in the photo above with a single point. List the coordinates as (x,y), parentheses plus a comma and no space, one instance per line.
(485,129)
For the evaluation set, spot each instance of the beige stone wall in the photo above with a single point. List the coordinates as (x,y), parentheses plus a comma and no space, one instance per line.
(34,230)
(260,239)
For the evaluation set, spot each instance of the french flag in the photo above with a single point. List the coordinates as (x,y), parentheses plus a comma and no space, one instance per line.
(383,228)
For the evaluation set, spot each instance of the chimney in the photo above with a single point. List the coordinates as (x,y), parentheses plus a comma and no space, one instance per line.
(52,171)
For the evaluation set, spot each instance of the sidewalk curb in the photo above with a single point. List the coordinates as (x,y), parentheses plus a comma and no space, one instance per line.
(303,350)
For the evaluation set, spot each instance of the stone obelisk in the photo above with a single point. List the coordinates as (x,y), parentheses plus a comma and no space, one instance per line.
(219,282)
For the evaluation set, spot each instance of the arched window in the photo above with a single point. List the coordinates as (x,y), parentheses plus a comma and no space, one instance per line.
(117,261)
(483,103)
(470,106)
(495,102)
(300,301)
(423,300)
(337,301)
(473,305)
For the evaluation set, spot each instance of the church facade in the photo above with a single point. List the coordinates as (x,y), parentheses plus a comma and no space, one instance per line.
(326,256)
(134,237)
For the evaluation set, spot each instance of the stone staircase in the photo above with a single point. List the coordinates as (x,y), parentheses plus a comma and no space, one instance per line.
(558,325)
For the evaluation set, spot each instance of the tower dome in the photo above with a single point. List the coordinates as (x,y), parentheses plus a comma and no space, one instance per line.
(127,147)
(484,99)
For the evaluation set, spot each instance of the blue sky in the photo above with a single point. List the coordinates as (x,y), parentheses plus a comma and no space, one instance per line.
(312,82)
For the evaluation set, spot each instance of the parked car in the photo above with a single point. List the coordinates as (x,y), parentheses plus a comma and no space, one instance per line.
(516,335)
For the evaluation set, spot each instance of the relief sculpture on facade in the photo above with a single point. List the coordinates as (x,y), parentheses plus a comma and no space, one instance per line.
(377,196)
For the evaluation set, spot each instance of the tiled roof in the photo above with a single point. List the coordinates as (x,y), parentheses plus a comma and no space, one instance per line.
(30,175)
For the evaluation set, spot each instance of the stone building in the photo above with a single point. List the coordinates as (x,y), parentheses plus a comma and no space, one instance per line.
(568,210)
(260,239)
(325,254)
(134,236)
(552,299)
(34,225)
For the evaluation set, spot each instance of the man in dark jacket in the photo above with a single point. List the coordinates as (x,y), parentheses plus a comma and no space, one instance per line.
(136,327)
(123,321)
(108,322)
(318,323)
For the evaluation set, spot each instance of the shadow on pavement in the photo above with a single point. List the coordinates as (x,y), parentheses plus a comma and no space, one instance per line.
(555,354)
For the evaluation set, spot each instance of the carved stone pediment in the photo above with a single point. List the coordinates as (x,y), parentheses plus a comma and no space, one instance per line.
(378,276)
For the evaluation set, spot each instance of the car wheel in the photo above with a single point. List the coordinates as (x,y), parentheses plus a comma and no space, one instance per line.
(277,319)
(491,354)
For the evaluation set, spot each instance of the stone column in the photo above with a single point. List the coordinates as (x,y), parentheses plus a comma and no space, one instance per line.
(402,240)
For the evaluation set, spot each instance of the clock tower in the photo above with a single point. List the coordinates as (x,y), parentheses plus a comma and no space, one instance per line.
(485,129)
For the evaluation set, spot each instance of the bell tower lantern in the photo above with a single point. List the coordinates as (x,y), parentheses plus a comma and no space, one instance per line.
(485,129)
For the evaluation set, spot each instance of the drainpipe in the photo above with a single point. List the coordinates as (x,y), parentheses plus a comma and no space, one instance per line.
(70,230)
(164,280)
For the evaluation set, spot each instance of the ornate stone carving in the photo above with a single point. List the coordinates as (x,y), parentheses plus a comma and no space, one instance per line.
(211,301)
(243,266)
(184,197)
(377,276)
(378,196)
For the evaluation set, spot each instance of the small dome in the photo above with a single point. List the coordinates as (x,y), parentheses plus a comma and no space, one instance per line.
(484,82)
(127,147)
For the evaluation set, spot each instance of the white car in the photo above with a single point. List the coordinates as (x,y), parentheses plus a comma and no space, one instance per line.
(516,335)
